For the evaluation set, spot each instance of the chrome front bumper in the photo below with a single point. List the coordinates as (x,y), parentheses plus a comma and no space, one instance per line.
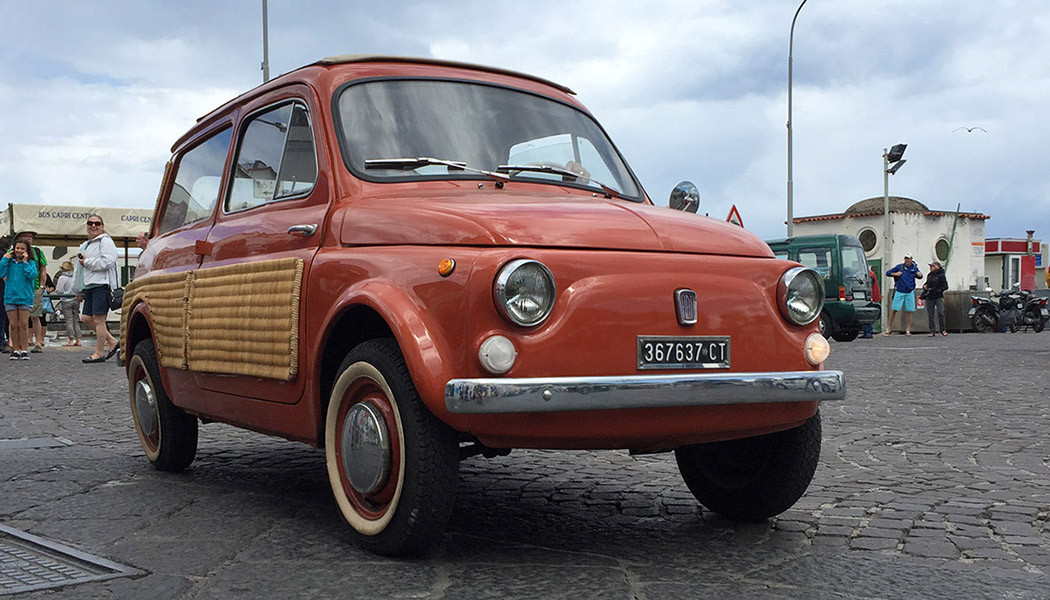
(559,394)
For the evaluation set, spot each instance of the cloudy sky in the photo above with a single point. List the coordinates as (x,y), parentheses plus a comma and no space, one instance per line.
(92,94)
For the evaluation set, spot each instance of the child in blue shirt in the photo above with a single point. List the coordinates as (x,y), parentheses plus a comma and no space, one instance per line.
(19,272)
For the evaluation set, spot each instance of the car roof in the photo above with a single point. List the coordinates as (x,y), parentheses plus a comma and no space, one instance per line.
(332,61)
(360,58)
(818,238)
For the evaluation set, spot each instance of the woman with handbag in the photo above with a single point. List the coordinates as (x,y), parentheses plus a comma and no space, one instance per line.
(95,277)
(933,292)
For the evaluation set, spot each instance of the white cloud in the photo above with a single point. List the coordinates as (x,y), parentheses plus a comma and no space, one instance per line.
(688,90)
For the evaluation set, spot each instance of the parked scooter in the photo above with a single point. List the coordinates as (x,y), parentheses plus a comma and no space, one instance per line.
(1013,309)
(1035,313)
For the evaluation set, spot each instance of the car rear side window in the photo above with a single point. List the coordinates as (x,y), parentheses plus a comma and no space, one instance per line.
(198,177)
(275,160)
(818,259)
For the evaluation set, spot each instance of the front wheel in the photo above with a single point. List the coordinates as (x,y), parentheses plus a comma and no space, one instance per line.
(983,320)
(167,434)
(754,478)
(392,465)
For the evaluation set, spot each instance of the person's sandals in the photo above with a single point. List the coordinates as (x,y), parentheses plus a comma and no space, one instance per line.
(907,334)
(944,333)
(931,335)
(112,351)
(94,359)
(37,348)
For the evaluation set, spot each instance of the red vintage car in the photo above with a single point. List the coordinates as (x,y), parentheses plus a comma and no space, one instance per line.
(410,261)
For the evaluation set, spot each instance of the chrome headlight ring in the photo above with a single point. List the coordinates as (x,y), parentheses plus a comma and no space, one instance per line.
(524,292)
(800,295)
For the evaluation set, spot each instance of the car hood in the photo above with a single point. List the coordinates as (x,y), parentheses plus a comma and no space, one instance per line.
(521,218)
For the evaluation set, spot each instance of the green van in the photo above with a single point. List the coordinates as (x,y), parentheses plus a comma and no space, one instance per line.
(847,286)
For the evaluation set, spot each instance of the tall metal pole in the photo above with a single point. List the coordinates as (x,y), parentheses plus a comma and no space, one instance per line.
(886,256)
(266,47)
(790,182)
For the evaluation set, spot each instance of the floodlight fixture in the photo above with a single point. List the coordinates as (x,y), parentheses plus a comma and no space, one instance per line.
(896,152)
(896,165)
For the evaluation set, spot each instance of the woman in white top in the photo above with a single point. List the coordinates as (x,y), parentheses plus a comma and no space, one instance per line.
(95,278)
(69,307)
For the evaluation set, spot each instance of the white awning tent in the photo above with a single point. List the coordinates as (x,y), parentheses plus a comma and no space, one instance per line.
(66,225)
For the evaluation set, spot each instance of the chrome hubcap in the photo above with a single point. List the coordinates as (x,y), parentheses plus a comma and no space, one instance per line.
(146,407)
(366,448)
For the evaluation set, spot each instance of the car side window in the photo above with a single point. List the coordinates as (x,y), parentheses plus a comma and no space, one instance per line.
(781,254)
(818,259)
(198,174)
(276,158)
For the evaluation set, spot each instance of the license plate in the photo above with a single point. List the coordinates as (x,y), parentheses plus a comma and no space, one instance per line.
(683,352)
(860,295)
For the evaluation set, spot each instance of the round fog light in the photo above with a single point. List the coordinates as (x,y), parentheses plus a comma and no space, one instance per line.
(817,349)
(497,354)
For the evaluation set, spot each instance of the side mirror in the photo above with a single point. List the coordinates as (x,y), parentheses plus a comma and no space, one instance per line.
(685,197)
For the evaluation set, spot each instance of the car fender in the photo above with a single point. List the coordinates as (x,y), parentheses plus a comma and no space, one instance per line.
(416,331)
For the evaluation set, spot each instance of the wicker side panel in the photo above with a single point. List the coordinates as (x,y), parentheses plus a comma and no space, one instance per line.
(244,319)
(165,297)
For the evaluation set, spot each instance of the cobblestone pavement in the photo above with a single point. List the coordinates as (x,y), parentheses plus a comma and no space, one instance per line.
(934,482)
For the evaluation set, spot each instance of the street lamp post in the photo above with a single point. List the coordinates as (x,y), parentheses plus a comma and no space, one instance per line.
(790,183)
(891,161)
(266,45)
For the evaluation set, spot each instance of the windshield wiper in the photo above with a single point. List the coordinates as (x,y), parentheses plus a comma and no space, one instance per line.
(407,164)
(609,192)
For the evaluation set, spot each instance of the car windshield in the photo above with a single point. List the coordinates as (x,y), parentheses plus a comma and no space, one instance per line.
(440,129)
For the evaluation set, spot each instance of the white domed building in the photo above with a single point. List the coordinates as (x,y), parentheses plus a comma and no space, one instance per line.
(956,239)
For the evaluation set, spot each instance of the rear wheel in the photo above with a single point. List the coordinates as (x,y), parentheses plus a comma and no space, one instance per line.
(753,478)
(167,434)
(392,465)
(846,336)
(1035,318)
(983,320)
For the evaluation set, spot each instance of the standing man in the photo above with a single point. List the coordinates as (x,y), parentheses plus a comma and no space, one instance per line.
(5,243)
(903,292)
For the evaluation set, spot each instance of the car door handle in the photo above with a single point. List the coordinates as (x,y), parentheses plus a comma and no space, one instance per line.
(306,230)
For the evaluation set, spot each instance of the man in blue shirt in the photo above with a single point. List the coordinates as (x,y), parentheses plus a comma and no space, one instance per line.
(903,292)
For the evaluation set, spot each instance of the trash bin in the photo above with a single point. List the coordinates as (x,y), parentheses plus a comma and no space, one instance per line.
(957,305)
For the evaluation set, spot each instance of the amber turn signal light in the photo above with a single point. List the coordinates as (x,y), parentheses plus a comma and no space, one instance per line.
(446,266)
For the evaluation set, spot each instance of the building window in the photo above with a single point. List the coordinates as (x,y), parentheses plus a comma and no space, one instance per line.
(941,249)
(868,239)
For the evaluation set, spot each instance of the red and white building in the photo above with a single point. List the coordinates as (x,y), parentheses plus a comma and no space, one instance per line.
(1010,262)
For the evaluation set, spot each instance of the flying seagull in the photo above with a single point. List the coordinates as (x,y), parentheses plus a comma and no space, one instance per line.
(970,129)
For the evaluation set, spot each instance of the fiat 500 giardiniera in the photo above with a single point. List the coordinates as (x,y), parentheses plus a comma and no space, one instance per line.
(408,262)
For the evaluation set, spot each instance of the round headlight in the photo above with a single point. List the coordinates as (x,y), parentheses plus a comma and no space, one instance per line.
(524,292)
(800,295)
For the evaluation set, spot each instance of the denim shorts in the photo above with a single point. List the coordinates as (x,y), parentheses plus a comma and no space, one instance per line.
(96,300)
(18,307)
